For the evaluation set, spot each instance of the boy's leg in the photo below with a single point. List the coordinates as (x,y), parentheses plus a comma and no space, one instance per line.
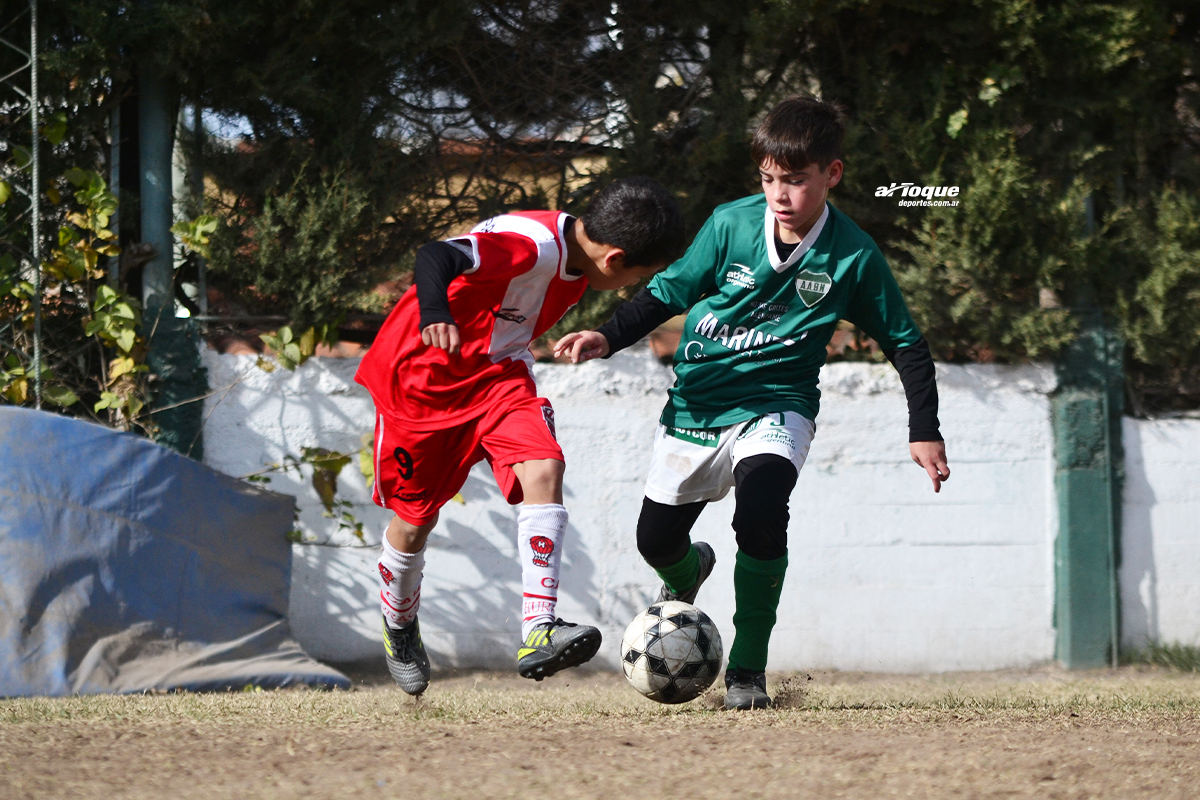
(764,483)
(416,472)
(664,541)
(528,464)
(540,529)
(400,567)
(548,644)
(769,455)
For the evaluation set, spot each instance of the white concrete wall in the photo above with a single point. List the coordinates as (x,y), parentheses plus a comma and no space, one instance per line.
(1160,533)
(885,575)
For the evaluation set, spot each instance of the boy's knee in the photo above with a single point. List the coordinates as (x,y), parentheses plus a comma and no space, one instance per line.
(765,478)
(541,480)
(406,537)
(663,531)
(760,518)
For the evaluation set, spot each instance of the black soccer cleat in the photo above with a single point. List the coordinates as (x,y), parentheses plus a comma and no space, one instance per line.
(708,560)
(554,646)
(406,657)
(746,689)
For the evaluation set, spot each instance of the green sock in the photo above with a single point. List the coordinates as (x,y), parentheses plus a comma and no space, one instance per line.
(756,588)
(682,575)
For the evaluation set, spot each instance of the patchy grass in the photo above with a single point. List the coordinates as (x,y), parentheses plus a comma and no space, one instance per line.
(1182,657)
(486,697)
(1041,732)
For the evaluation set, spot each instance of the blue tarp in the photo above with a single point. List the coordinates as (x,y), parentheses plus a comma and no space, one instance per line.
(125,567)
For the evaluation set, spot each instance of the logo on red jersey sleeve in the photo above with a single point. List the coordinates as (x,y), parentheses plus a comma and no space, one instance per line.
(509,314)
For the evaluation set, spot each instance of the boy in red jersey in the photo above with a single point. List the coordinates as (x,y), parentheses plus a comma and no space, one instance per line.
(450,374)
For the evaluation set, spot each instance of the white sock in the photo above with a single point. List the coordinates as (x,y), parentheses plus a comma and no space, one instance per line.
(400,584)
(539,546)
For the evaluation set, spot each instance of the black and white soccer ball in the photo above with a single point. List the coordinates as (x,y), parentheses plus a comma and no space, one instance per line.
(671,652)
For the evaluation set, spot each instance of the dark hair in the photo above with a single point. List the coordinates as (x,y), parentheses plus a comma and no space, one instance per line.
(638,216)
(798,132)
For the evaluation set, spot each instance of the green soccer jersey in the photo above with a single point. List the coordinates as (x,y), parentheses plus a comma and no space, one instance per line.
(754,341)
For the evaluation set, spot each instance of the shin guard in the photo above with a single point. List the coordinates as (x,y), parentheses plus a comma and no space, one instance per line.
(757,586)
(540,532)
(400,584)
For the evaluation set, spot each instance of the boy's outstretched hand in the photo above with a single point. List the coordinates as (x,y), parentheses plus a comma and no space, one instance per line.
(932,456)
(443,335)
(581,346)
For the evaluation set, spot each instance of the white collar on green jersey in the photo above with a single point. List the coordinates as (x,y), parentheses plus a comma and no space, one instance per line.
(801,249)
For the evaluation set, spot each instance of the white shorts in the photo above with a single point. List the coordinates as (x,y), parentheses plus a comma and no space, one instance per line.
(693,464)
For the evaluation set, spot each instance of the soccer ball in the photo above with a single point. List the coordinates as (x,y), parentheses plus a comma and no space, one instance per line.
(671,652)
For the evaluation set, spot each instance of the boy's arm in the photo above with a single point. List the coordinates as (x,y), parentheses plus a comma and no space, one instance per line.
(878,308)
(437,264)
(917,374)
(628,324)
(915,365)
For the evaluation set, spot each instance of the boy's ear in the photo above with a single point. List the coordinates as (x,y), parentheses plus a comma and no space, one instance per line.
(614,260)
(834,171)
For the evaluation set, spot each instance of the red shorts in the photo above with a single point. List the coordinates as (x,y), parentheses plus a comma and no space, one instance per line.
(418,472)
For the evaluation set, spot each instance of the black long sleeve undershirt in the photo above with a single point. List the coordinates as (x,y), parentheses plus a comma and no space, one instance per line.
(437,264)
(645,312)
(634,320)
(915,365)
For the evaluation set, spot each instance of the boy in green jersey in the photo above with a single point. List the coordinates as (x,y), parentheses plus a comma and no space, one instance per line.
(764,284)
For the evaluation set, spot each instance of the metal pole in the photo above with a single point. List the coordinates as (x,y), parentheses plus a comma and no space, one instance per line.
(198,198)
(1115,486)
(35,193)
(155,129)
(114,185)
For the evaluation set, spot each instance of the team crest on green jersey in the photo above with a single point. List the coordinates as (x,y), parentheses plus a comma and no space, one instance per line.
(812,286)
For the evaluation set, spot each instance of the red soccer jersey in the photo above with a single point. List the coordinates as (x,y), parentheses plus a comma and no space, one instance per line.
(516,290)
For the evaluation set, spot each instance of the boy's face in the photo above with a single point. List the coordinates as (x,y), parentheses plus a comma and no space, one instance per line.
(797,197)
(615,275)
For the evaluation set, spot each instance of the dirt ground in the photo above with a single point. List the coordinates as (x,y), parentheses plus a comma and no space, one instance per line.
(1036,733)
